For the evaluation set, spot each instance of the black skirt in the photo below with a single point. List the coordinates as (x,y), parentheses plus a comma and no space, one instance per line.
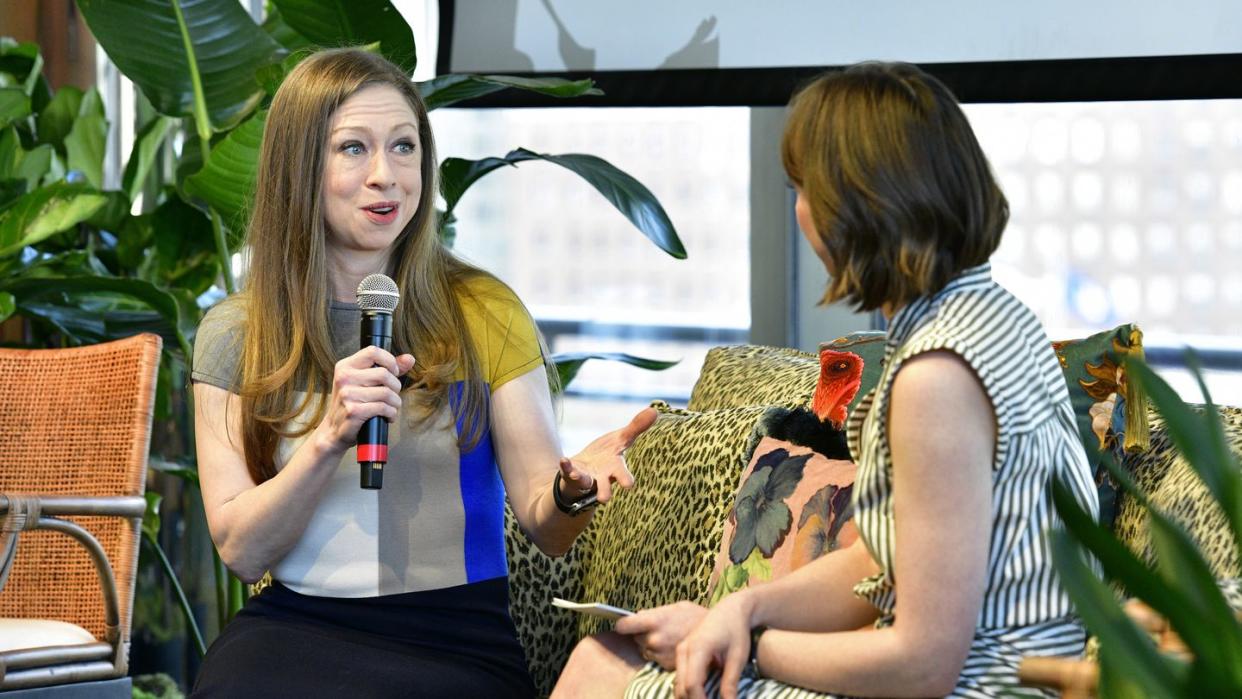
(456,642)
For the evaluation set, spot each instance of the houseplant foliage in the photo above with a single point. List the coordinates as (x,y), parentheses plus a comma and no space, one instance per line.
(1179,586)
(85,261)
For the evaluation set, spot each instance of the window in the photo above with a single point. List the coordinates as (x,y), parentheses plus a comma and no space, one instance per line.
(592,281)
(1127,211)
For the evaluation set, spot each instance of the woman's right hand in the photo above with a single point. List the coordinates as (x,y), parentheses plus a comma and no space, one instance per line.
(657,631)
(721,640)
(364,385)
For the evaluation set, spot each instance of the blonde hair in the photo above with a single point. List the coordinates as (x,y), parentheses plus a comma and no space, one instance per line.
(288,345)
(898,187)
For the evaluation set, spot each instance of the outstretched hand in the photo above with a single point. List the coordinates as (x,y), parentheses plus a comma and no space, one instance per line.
(602,463)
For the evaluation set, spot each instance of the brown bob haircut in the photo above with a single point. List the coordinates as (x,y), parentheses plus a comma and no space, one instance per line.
(899,190)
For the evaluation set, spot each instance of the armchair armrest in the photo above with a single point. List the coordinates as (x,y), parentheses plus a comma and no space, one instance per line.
(21,512)
(132,506)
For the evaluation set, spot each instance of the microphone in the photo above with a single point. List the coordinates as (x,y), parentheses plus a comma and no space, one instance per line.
(377,299)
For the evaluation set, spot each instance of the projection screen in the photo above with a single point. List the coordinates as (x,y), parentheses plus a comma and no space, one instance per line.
(755,51)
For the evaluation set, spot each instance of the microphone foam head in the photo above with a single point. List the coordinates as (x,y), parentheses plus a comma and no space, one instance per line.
(378,293)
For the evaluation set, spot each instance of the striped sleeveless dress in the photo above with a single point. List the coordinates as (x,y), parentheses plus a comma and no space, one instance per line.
(1025,612)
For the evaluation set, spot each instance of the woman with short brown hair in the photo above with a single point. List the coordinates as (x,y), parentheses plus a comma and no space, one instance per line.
(951,581)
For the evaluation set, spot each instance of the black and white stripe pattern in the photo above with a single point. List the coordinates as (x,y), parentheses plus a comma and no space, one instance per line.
(1025,612)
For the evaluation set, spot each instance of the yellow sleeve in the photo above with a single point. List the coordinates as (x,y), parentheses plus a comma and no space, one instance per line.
(504,335)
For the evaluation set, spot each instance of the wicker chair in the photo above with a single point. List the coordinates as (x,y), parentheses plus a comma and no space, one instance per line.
(75,427)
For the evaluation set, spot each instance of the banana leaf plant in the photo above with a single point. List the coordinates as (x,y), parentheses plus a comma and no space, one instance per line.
(1179,586)
(83,261)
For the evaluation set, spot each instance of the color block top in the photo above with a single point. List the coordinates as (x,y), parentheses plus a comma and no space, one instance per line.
(439,519)
(1037,440)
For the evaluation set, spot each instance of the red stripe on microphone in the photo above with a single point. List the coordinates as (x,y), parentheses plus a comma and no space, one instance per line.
(373,452)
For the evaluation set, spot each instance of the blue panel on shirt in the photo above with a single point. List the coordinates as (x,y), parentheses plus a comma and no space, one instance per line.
(483,501)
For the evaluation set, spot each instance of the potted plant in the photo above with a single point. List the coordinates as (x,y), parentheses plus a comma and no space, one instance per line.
(81,262)
(1205,659)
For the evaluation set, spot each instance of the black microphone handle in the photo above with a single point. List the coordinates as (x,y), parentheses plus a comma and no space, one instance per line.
(373,435)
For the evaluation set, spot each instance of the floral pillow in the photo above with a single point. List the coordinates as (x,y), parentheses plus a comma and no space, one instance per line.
(793,506)
(1111,412)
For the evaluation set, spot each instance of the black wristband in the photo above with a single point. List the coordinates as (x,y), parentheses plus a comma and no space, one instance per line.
(752,662)
(575,508)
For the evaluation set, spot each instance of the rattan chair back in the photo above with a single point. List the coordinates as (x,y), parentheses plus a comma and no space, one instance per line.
(75,422)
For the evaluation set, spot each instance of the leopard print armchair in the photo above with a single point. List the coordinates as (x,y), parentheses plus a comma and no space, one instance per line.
(706,448)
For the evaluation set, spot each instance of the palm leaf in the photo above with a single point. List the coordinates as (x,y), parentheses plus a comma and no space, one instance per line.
(175,48)
(45,212)
(352,23)
(444,90)
(569,363)
(627,194)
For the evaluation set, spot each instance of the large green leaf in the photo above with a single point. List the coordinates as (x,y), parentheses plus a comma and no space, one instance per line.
(24,62)
(86,140)
(113,214)
(7,305)
(142,157)
(627,194)
(1098,606)
(226,182)
(21,60)
(11,152)
(1206,624)
(352,23)
(444,90)
(46,212)
(11,189)
(185,254)
(146,40)
(569,363)
(36,164)
(1183,590)
(95,308)
(277,28)
(56,121)
(14,105)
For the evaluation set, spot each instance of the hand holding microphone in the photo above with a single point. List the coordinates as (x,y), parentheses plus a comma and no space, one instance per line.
(377,299)
(366,390)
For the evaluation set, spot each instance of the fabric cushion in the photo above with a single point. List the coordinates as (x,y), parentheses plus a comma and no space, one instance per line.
(741,375)
(546,634)
(16,634)
(1175,489)
(793,505)
(1111,413)
(656,543)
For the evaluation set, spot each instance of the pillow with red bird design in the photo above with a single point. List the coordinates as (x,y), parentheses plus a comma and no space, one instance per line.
(793,505)
(854,369)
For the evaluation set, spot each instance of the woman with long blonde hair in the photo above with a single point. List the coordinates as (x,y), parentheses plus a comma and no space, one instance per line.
(402,590)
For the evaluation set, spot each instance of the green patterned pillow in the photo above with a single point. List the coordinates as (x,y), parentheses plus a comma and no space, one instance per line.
(1111,412)
(656,543)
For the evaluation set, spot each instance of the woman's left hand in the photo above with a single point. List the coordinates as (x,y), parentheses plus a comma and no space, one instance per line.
(602,462)
(721,640)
